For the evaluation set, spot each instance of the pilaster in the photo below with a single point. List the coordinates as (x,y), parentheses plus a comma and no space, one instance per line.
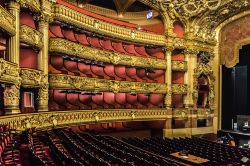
(168,78)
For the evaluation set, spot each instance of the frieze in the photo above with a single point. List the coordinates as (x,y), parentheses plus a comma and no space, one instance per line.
(31,36)
(70,48)
(179,89)
(179,66)
(66,118)
(61,81)
(7,21)
(31,77)
(9,72)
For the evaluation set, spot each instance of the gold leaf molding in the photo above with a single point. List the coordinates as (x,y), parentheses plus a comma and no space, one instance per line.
(7,21)
(31,36)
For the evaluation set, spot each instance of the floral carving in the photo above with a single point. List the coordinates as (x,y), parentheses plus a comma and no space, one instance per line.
(31,36)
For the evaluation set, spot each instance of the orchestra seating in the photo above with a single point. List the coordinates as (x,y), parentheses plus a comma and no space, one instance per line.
(67,147)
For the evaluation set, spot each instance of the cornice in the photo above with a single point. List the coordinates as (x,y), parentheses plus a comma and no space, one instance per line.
(61,81)
(7,21)
(9,72)
(70,48)
(31,36)
(65,14)
(68,118)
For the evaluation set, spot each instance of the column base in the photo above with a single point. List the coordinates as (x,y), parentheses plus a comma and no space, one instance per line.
(168,133)
(43,108)
(12,111)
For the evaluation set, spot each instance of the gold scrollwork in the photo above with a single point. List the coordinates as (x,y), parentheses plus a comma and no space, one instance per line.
(179,89)
(31,77)
(66,118)
(9,72)
(74,49)
(7,21)
(33,4)
(179,66)
(31,36)
(60,81)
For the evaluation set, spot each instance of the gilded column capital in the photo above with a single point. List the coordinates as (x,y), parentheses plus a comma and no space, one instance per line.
(14,5)
(190,52)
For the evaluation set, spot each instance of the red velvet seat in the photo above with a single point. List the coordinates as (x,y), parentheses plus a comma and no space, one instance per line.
(57,62)
(72,66)
(141,50)
(27,19)
(98,101)
(120,71)
(132,75)
(118,47)
(73,99)
(120,98)
(86,101)
(157,99)
(107,45)
(109,70)
(130,48)
(156,52)
(94,42)
(82,39)
(109,98)
(85,70)
(142,73)
(69,34)
(56,30)
(158,75)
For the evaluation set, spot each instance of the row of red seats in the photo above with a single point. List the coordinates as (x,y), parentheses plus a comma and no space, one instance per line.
(9,154)
(55,30)
(62,100)
(58,64)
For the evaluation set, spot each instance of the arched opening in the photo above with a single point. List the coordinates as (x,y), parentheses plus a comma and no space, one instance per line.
(179,29)
(203,92)
(236,89)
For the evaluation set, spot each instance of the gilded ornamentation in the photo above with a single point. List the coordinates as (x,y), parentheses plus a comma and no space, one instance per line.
(31,36)
(60,81)
(67,118)
(31,77)
(179,66)
(179,89)
(11,95)
(68,15)
(43,92)
(7,21)
(207,70)
(9,72)
(71,48)
(33,4)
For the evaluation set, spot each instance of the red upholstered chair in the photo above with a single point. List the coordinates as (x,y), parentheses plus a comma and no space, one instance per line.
(57,62)
(109,70)
(132,75)
(118,47)
(120,71)
(72,98)
(142,73)
(85,70)
(56,30)
(141,50)
(55,100)
(72,66)
(82,39)
(130,48)
(98,71)
(27,19)
(94,42)
(156,52)
(85,101)
(158,75)
(156,99)
(69,34)
(109,98)
(106,45)
(132,100)
(98,101)
(120,98)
